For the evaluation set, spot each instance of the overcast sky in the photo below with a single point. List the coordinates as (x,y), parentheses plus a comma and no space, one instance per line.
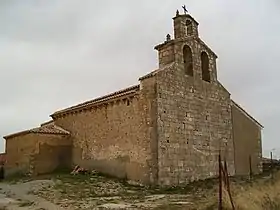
(54,54)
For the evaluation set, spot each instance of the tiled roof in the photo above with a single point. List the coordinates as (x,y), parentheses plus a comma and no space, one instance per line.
(49,128)
(123,92)
(105,98)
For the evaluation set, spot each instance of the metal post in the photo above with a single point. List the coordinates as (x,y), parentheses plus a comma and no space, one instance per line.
(220,184)
(228,184)
(271,165)
(250,167)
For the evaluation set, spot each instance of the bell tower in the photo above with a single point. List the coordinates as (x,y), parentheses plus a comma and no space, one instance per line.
(193,109)
(194,58)
(184,26)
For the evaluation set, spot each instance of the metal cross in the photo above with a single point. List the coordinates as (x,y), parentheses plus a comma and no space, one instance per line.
(185,9)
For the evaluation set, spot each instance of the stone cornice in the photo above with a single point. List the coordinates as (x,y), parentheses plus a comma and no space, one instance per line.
(174,41)
(164,44)
(119,95)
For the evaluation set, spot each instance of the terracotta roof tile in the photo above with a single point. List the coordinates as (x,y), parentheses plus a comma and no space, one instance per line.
(129,90)
(49,128)
(116,94)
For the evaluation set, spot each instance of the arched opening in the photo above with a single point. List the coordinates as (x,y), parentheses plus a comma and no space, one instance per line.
(189,28)
(188,61)
(205,67)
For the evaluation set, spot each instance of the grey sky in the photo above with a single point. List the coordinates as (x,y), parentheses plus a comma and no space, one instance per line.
(54,54)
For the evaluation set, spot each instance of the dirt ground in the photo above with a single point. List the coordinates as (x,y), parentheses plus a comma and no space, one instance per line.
(19,195)
(87,192)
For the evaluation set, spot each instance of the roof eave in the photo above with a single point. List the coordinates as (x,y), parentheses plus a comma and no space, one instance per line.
(16,134)
(247,114)
(130,90)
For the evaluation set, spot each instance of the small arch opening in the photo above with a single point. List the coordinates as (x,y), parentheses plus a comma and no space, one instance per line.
(189,28)
(188,60)
(205,67)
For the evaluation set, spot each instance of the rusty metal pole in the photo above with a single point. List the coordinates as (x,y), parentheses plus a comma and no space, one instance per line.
(271,165)
(250,167)
(220,184)
(228,185)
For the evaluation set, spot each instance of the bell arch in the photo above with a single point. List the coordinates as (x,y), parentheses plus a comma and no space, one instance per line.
(188,60)
(205,67)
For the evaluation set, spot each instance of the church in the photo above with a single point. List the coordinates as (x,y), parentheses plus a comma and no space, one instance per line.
(168,129)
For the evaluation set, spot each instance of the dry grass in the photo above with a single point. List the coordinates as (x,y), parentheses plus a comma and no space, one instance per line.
(261,194)
(96,190)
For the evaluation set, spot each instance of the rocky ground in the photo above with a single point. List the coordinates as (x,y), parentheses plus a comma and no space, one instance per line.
(99,192)
(19,195)
(71,192)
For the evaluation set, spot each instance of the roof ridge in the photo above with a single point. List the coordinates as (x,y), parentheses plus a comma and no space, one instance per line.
(45,129)
(61,129)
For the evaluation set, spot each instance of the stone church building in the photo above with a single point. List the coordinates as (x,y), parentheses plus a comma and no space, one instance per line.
(166,130)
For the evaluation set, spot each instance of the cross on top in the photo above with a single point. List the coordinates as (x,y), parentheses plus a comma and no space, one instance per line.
(185,9)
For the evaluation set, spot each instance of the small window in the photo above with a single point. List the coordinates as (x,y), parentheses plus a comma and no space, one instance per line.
(189,28)
(205,67)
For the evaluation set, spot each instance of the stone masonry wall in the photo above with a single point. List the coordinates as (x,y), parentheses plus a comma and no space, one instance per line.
(247,142)
(27,153)
(53,152)
(167,55)
(19,150)
(114,137)
(194,121)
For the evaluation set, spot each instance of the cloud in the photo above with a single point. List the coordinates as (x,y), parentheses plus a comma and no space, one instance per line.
(55,54)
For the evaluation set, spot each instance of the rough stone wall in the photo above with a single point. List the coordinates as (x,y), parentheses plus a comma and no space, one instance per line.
(36,153)
(247,142)
(167,55)
(3,158)
(18,152)
(114,137)
(148,105)
(194,121)
(53,152)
